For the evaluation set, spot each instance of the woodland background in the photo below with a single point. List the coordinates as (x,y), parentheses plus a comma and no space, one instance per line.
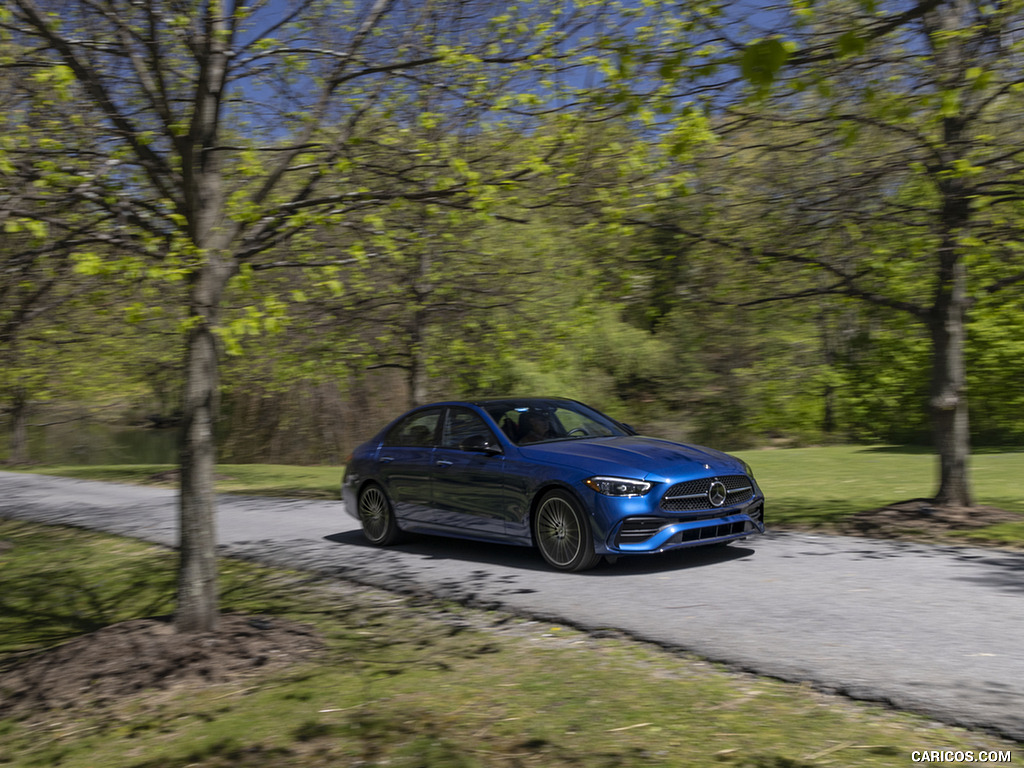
(653,230)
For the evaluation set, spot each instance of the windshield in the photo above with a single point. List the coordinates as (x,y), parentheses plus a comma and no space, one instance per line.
(538,421)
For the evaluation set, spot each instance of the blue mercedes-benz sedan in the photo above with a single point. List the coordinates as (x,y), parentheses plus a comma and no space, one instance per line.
(546,472)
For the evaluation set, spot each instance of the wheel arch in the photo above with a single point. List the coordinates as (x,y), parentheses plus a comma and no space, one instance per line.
(543,490)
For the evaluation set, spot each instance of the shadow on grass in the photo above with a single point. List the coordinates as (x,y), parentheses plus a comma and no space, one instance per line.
(419,738)
(376,735)
(908,450)
(61,603)
(49,601)
(927,450)
(380,737)
(810,513)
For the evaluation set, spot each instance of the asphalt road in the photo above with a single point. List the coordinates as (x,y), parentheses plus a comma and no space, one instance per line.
(937,630)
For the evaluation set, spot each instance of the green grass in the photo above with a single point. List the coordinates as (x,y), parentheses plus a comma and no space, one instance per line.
(405,683)
(63,582)
(818,487)
(805,487)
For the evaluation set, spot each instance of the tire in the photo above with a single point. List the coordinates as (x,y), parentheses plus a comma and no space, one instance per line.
(562,533)
(378,519)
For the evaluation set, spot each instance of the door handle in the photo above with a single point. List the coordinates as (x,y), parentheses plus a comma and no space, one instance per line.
(444,463)
(386,459)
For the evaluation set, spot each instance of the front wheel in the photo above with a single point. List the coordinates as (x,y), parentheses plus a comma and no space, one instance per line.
(561,531)
(379,525)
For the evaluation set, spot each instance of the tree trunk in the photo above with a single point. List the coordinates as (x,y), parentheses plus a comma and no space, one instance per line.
(211,233)
(418,392)
(418,372)
(19,428)
(828,346)
(197,606)
(948,403)
(947,317)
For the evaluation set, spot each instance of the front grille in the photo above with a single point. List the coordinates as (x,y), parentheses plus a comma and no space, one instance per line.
(692,496)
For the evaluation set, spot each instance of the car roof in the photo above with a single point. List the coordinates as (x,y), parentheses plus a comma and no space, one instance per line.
(492,400)
(484,401)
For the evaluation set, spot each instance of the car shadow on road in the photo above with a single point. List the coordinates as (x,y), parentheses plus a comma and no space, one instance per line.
(1005,570)
(678,560)
(525,558)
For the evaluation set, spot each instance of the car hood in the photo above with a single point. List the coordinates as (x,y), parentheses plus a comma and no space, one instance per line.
(640,457)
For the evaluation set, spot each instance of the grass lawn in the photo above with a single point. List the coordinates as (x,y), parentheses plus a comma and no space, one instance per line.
(818,487)
(407,683)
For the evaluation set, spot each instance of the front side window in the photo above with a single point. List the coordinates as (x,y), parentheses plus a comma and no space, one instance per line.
(465,430)
(539,421)
(415,430)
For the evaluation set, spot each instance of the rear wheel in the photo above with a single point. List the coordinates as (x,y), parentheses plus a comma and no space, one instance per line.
(377,517)
(561,531)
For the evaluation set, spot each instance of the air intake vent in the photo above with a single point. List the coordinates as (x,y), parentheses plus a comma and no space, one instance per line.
(637,529)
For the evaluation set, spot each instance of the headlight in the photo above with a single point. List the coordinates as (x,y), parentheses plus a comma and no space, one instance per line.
(750,474)
(618,486)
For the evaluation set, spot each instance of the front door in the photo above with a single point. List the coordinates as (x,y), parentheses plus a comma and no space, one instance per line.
(468,476)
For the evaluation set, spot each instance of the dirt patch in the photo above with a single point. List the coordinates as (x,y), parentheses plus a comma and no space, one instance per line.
(921,517)
(147,654)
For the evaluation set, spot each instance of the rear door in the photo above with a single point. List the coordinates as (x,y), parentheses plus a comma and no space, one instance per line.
(406,463)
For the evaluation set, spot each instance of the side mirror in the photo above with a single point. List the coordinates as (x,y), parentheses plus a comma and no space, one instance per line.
(480,444)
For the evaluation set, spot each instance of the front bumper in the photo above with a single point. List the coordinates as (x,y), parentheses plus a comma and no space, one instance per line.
(647,534)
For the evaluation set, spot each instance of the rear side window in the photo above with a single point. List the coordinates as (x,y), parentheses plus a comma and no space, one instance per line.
(415,430)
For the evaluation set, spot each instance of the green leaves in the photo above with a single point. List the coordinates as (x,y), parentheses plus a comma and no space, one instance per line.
(58,80)
(761,61)
(851,44)
(268,316)
(35,228)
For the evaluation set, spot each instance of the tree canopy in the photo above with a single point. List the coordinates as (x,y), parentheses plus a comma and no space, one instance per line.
(808,220)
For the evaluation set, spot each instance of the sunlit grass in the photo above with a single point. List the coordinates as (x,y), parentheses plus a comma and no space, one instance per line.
(404,683)
(821,486)
(817,485)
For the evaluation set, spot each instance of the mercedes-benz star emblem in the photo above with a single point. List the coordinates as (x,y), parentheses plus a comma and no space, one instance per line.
(717,493)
